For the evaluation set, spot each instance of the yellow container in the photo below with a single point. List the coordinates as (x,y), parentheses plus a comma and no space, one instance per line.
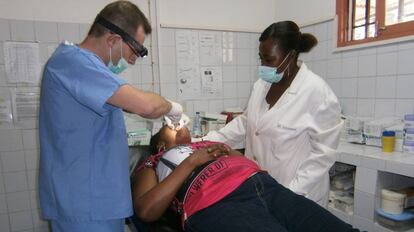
(388,141)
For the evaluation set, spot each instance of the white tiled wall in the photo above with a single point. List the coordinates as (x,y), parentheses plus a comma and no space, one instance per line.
(376,81)
(239,70)
(19,146)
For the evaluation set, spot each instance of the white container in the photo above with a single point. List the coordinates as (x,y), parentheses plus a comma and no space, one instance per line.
(399,145)
(392,202)
(409,134)
(373,130)
(408,147)
(353,136)
(355,123)
(409,121)
(399,136)
(375,127)
(373,141)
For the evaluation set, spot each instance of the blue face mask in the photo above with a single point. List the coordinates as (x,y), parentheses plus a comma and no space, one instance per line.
(270,74)
(121,66)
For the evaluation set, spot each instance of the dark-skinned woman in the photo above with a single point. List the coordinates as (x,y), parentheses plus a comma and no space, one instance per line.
(292,122)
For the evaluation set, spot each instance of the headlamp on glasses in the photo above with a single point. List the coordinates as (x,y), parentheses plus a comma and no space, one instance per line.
(136,47)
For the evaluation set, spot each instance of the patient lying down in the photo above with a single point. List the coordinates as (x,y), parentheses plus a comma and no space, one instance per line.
(215,188)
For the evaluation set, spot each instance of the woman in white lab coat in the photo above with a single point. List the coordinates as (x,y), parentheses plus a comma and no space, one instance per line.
(292,122)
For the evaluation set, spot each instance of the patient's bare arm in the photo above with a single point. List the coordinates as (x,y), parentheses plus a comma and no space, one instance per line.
(151,198)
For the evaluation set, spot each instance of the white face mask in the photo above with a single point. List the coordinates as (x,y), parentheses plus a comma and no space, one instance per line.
(121,65)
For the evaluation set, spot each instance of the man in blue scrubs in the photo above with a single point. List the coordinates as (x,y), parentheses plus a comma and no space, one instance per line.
(84,177)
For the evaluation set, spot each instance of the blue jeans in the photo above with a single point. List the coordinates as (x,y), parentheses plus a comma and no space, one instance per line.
(262,204)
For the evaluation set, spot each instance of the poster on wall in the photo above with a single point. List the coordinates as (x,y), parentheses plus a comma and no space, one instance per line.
(22,62)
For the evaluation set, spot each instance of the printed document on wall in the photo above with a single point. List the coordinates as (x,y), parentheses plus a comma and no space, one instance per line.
(189,83)
(22,62)
(6,113)
(26,104)
(186,45)
(211,49)
(211,81)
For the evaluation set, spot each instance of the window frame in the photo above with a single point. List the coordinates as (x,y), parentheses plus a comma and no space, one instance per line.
(382,33)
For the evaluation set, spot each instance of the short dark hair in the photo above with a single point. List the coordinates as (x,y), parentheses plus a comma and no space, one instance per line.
(123,14)
(155,140)
(288,36)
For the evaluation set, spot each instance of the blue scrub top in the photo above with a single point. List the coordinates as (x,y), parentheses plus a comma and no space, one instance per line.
(83,142)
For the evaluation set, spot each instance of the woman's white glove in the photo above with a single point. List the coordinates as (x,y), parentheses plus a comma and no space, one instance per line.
(174,116)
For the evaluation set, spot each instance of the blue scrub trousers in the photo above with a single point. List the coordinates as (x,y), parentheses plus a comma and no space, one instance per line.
(262,204)
(116,225)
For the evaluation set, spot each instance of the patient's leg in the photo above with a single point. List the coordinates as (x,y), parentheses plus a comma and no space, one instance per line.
(241,211)
(295,212)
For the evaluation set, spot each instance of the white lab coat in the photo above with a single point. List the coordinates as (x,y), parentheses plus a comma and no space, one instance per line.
(295,140)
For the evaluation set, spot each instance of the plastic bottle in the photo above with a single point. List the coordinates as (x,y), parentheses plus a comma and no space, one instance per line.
(197,126)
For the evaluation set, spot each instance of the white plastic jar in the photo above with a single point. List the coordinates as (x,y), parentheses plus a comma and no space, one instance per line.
(392,202)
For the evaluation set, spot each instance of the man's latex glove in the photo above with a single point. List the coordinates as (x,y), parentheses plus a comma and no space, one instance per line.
(177,126)
(183,121)
(174,115)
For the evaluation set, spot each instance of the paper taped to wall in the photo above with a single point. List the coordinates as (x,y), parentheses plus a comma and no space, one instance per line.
(186,45)
(211,50)
(22,62)
(6,113)
(189,83)
(211,81)
(26,104)
(199,56)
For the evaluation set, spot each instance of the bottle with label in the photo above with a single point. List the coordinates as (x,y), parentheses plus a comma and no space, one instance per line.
(197,126)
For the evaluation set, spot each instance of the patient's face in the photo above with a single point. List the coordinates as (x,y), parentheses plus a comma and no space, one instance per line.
(172,137)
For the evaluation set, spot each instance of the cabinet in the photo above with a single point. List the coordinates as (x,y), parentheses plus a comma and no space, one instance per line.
(374,170)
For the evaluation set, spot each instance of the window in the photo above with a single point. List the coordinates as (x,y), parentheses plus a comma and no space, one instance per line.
(363,21)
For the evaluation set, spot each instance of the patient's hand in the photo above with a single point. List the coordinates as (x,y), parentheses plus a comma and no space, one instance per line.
(204,155)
